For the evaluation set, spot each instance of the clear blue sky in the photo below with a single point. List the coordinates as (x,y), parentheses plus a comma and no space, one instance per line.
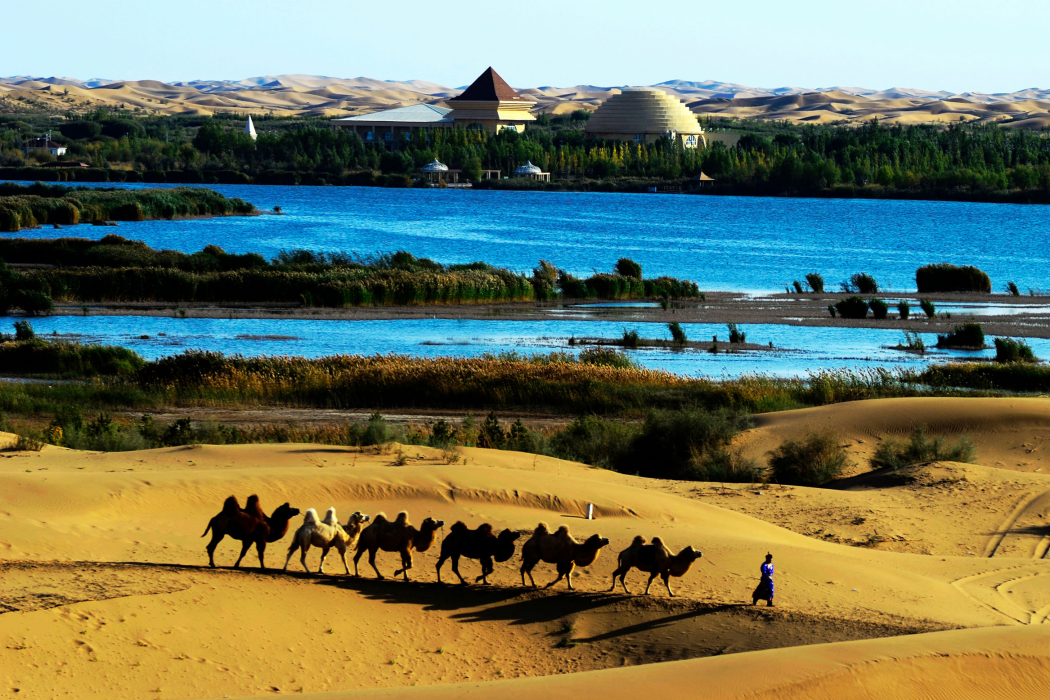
(954,45)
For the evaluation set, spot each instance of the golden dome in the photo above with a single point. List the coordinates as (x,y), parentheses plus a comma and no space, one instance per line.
(642,112)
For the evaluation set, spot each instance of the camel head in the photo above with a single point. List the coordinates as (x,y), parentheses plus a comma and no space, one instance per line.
(429,525)
(358,518)
(425,536)
(505,545)
(680,564)
(689,554)
(595,542)
(284,512)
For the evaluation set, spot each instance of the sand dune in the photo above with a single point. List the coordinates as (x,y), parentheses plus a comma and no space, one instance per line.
(105,592)
(320,95)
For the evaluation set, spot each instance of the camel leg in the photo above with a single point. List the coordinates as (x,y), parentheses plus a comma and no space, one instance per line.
(652,577)
(572,567)
(486,569)
(441,562)
(372,561)
(216,538)
(357,558)
(302,558)
(260,547)
(526,568)
(667,582)
(561,574)
(324,553)
(455,568)
(342,555)
(406,564)
(291,551)
(244,550)
(622,573)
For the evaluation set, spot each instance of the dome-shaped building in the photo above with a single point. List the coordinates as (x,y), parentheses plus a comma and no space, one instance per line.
(643,115)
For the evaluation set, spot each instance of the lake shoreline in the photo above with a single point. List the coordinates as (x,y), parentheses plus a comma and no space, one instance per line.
(719,308)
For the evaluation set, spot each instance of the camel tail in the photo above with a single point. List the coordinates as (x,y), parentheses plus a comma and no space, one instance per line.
(310,518)
(209,527)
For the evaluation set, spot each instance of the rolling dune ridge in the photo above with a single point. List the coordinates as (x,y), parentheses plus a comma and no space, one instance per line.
(105,591)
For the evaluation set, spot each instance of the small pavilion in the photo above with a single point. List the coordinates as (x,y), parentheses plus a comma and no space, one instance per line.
(531,172)
(436,171)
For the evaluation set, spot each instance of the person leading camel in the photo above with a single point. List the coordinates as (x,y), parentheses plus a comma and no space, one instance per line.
(481,544)
(250,526)
(654,559)
(764,589)
(326,534)
(560,549)
(398,536)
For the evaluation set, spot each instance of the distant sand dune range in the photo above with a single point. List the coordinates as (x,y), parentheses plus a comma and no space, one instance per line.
(324,96)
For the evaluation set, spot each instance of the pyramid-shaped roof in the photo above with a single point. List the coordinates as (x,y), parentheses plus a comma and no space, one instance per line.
(489,87)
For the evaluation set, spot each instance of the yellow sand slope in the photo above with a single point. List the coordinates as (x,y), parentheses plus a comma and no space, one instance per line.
(78,622)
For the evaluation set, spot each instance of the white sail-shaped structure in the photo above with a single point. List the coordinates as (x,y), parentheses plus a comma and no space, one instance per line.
(249,128)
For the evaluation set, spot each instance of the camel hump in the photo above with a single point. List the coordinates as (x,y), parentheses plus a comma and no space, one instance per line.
(379,518)
(330,517)
(253,507)
(639,541)
(402,518)
(563,531)
(657,542)
(458,527)
(311,517)
(485,529)
(541,529)
(230,506)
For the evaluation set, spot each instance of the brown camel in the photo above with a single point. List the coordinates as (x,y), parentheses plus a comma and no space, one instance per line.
(398,536)
(250,526)
(482,544)
(654,559)
(559,549)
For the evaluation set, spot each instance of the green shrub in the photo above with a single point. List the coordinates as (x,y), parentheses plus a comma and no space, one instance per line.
(630,338)
(24,330)
(1012,376)
(815,282)
(33,302)
(1010,350)
(677,333)
(625,267)
(674,444)
(1012,288)
(879,308)
(832,310)
(607,357)
(853,307)
(735,334)
(944,277)
(813,461)
(928,308)
(377,431)
(894,455)
(798,286)
(914,342)
(35,356)
(904,310)
(861,283)
(966,335)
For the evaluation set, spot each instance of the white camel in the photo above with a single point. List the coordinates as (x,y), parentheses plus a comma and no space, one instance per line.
(326,534)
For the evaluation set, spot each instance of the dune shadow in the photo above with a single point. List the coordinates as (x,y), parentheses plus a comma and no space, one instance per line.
(664,621)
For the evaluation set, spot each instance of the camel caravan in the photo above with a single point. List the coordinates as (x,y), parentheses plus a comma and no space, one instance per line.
(363,533)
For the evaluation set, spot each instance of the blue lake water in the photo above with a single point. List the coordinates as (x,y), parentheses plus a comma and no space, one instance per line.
(800,349)
(723,243)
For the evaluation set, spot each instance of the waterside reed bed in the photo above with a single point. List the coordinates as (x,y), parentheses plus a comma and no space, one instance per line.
(29,206)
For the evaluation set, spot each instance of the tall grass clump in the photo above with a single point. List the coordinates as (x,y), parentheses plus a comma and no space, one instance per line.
(1010,350)
(965,335)
(1011,287)
(678,336)
(34,356)
(879,308)
(944,277)
(913,342)
(625,267)
(1009,376)
(928,308)
(861,283)
(735,334)
(798,286)
(815,282)
(812,461)
(854,307)
(904,310)
(919,448)
(630,338)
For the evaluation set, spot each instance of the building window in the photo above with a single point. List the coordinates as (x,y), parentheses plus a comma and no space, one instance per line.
(511,127)
(639,138)
(690,141)
(370,136)
(388,136)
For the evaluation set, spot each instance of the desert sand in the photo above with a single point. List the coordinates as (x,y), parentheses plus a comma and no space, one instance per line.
(288,95)
(105,590)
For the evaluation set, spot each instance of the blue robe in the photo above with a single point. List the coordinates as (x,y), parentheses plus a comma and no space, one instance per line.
(764,590)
